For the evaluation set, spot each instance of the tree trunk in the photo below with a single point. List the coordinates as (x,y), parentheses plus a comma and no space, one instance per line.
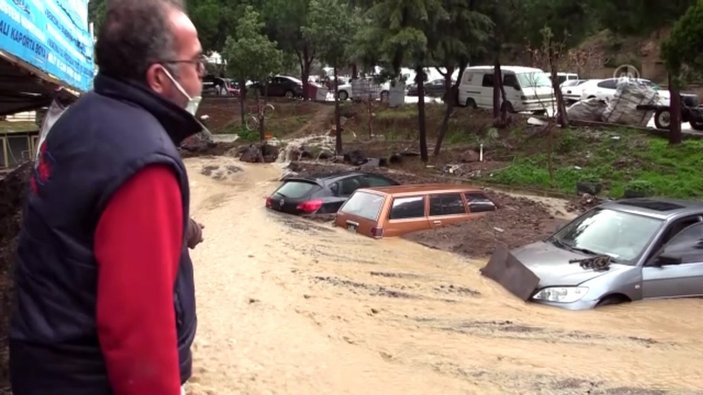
(305,59)
(337,123)
(242,101)
(451,99)
(675,135)
(420,80)
(500,110)
(260,112)
(561,118)
(355,71)
(496,88)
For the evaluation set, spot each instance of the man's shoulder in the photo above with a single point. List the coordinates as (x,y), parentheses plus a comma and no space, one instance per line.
(108,119)
(98,105)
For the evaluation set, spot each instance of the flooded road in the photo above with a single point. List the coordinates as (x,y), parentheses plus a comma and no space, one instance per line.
(288,306)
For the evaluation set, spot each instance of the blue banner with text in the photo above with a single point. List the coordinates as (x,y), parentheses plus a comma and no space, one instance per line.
(51,35)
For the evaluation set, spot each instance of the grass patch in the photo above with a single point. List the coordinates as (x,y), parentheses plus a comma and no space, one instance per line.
(245,135)
(620,160)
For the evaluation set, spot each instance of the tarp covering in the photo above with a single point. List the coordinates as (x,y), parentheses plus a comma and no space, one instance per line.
(622,108)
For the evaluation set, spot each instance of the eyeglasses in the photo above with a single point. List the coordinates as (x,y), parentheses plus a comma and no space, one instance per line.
(199,63)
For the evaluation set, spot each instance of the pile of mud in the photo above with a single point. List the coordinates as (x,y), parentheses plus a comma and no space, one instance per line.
(12,194)
(518,221)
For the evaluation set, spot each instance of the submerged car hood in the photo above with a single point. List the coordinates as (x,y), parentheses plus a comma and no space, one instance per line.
(551,264)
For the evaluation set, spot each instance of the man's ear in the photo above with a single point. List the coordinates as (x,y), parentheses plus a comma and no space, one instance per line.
(156,79)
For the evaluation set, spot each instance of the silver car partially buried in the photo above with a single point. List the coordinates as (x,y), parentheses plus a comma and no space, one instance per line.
(619,251)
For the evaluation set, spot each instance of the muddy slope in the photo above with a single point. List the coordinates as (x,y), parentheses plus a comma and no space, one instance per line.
(12,195)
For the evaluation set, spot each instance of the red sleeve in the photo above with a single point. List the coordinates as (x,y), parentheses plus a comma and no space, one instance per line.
(137,244)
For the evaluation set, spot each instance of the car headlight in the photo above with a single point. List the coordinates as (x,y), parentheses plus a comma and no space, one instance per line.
(561,294)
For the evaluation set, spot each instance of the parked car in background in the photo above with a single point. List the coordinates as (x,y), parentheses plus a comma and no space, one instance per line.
(377,91)
(526,88)
(605,89)
(563,77)
(433,88)
(621,251)
(215,86)
(397,210)
(280,86)
(571,90)
(321,195)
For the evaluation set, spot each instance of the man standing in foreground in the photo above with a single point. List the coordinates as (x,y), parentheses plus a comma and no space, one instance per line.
(105,300)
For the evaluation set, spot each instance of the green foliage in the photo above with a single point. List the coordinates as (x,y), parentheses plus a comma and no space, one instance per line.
(633,161)
(567,20)
(637,16)
(464,33)
(329,31)
(684,48)
(398,31)
(214,20)
(248,135)
(96,13)
(251,55)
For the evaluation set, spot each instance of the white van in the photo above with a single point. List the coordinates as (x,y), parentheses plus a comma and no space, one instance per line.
(563,77)
(526,88)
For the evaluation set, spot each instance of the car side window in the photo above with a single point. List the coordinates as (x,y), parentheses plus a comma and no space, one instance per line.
(608,84)
(447,204)
(687,245)
(479,203)
(373,181)
(347,186)
(408,207)
(487,80)
(511,81)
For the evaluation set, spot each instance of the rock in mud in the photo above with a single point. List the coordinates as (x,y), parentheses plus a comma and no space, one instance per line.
(325,154)
(259,153)
(589,187)
(470,156)
(355,158)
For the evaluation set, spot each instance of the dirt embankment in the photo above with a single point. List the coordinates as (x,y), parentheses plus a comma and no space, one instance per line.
(12,195)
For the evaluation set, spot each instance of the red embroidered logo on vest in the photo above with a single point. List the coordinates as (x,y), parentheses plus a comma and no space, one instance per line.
(42,169)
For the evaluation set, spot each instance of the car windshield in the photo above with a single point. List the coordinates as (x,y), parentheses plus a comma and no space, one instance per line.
(536,79)
(363,204)
(296,189)
(620,235)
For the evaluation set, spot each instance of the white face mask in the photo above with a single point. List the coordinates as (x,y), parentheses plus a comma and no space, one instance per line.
(193,102)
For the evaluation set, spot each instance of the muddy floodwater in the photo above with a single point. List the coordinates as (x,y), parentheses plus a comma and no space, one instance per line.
(288,306)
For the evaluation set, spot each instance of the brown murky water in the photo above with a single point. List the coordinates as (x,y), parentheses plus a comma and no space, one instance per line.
(288,306)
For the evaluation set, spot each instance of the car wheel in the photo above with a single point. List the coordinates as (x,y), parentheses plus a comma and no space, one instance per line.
(697,125)
(289,94)
(343,95)
(384,96)
(471,103)
(662,119)
(612,300)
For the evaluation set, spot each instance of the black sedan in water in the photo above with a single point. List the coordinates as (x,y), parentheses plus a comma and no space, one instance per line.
(321,195)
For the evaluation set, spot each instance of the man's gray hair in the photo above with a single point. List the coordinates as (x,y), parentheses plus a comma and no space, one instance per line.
(134,35)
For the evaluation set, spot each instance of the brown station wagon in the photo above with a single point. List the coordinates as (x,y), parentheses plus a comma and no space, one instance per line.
(396,210)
